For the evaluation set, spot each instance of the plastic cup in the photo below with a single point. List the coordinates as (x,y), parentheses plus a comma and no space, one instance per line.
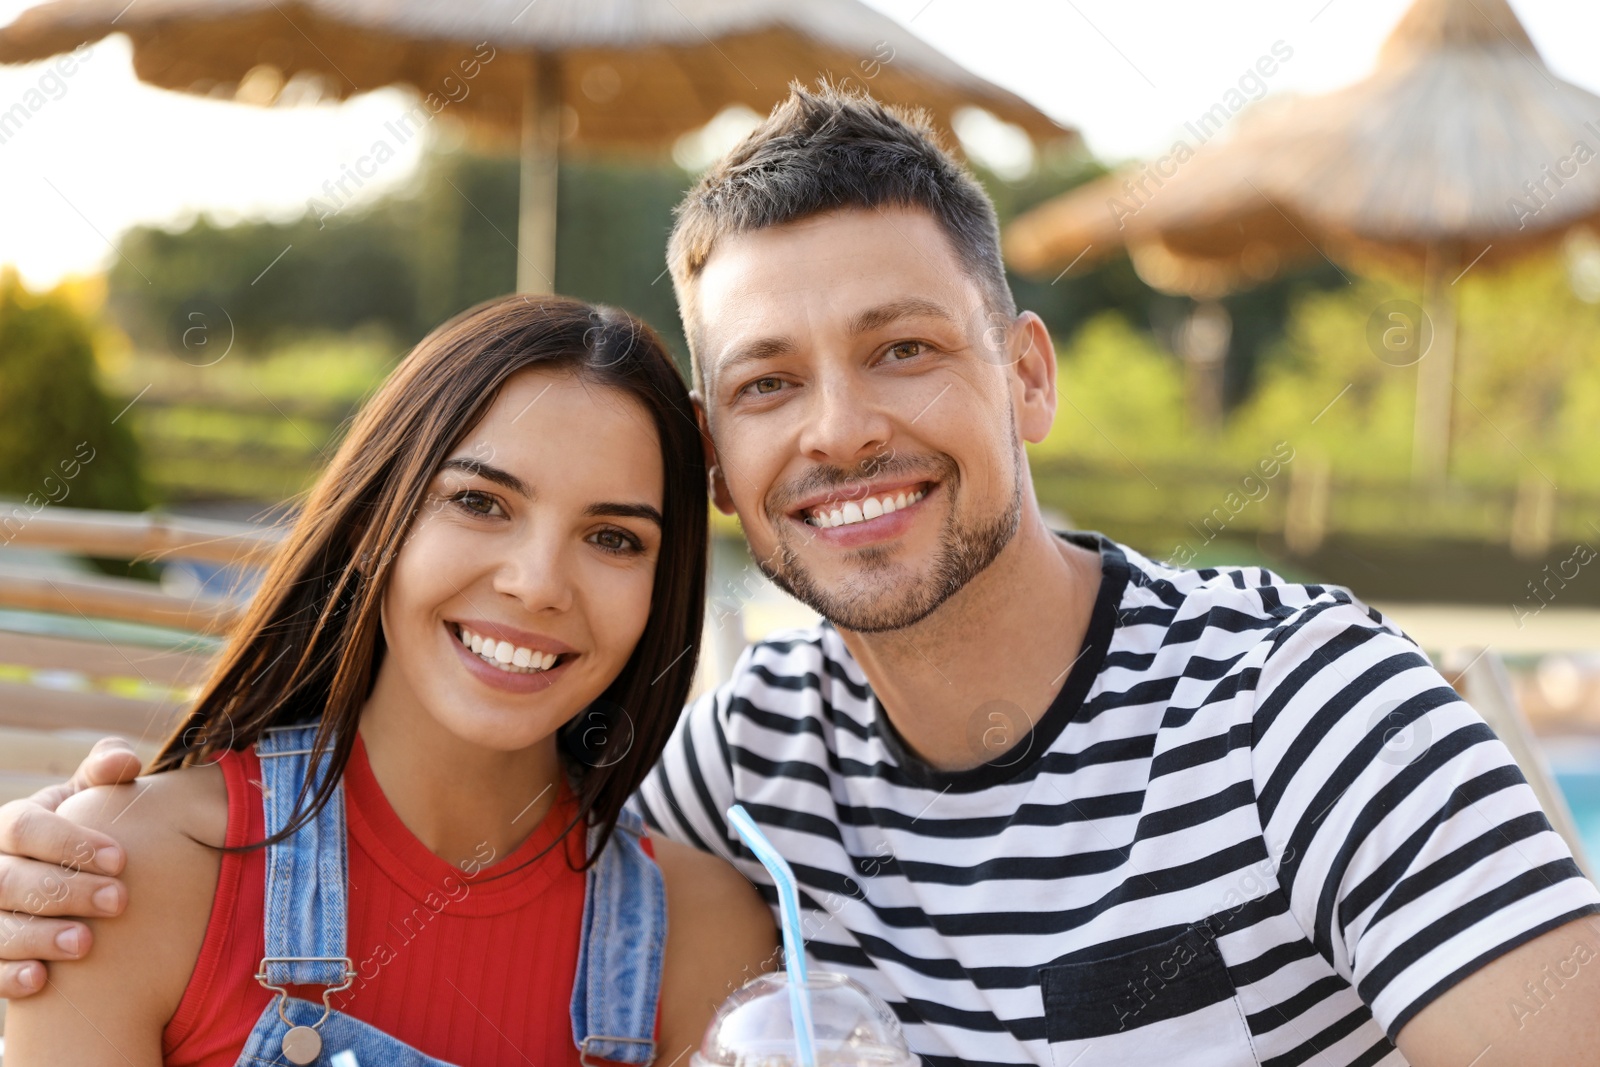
(755,1027)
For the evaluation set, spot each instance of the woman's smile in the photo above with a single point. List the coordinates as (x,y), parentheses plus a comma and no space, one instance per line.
(489,665)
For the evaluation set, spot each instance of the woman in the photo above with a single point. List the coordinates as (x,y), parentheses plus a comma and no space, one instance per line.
(393,825)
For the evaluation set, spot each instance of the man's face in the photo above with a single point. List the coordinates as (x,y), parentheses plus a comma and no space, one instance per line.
(861,399)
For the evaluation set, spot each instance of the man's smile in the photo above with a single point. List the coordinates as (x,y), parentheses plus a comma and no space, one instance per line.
(861,505)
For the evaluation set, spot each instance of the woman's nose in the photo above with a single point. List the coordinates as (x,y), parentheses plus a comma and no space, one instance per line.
(537,573)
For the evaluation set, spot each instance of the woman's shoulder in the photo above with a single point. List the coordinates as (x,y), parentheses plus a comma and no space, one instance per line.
(720,934)
(157,811)
(705,884)
(171,827)
(131,978)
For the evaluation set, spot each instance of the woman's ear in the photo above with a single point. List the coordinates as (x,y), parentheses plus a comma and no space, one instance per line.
(716,482)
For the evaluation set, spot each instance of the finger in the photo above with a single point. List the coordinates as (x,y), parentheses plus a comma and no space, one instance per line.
(28,938)
(49,890)
(50,797)
(112,760)
(30,831)
(18,980)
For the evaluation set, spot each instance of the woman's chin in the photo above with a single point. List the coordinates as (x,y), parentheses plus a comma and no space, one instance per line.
(495,729)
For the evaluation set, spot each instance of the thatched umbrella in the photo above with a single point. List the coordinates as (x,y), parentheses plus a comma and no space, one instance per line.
(1460,145)
(598,73)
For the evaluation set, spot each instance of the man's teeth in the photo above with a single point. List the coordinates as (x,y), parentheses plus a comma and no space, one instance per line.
(503,654)
(870,508)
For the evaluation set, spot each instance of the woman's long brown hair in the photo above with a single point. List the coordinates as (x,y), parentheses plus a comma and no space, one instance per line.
(308,648)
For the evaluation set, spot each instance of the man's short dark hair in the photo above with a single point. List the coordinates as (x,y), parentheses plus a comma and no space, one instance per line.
(826,150)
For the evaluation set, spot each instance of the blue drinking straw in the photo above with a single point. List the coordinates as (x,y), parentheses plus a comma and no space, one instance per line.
(794,954)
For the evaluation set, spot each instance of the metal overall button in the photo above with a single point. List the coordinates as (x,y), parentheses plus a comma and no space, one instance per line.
(302,1044)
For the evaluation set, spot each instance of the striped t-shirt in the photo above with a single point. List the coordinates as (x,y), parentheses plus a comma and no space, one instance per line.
(1254,827)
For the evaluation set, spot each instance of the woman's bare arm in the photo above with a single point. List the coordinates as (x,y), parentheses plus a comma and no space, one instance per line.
(111,1007)
(720,935)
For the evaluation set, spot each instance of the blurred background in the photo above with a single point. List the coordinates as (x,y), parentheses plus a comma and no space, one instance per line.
(1323,277)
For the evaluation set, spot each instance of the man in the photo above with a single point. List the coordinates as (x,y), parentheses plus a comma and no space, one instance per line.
(1054,801)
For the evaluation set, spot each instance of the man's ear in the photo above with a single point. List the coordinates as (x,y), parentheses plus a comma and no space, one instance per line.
(1033,361)
(717,482)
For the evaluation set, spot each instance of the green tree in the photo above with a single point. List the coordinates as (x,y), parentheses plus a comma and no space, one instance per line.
(58,441)
(1120,399)
(1527,382)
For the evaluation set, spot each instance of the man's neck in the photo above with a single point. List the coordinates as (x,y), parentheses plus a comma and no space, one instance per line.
(966,684)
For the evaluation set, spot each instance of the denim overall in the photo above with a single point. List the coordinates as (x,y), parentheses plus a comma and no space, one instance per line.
(614,992)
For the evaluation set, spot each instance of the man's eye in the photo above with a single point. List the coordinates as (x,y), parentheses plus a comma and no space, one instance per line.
(904,350)
(767,385)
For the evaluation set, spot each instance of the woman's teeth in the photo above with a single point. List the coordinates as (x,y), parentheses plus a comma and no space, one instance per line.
(870,508)
(508,657)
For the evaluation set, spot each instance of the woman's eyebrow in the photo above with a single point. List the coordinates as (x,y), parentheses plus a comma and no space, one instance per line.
(626,511)
(608,509)
(488,472)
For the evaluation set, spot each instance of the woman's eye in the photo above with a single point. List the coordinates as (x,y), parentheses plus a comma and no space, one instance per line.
(617,541)
(476,501)
(904,350)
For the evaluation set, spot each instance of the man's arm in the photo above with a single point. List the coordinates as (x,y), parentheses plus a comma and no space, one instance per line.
(687,793)
(52,867)
(1414,855)
(1537,1004)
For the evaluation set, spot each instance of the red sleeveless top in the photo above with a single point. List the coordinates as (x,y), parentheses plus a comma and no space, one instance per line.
(465,967)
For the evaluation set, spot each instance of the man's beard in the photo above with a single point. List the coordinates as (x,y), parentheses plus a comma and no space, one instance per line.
(899,600)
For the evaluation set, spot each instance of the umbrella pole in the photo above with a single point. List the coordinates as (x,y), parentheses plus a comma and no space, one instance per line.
(1203,343)
(1430,448)
(541,160)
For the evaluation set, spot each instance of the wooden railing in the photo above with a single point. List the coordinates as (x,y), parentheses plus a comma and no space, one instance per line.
(85,654)
(118,535)
(1304,504)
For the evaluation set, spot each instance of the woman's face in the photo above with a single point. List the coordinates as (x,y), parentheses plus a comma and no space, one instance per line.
(537,545)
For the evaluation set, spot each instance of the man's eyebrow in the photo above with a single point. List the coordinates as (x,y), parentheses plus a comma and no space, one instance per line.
(626,511)
(875,318)
(756,351)
(488,472)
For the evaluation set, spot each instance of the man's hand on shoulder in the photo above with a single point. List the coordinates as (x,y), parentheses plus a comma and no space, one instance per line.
(52,868)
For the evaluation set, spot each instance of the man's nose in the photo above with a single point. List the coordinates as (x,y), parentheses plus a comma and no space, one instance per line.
(844,422)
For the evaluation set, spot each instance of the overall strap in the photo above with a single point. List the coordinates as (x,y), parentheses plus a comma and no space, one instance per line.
(620,950)
(306,881)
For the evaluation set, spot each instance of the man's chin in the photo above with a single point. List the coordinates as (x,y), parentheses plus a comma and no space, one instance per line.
(881,594)
(874,607)
(875,617)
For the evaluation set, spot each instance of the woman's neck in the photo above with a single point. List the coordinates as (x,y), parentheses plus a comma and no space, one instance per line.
(456,796)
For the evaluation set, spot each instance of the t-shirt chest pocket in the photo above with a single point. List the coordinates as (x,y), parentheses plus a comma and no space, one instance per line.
(1161,1004)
